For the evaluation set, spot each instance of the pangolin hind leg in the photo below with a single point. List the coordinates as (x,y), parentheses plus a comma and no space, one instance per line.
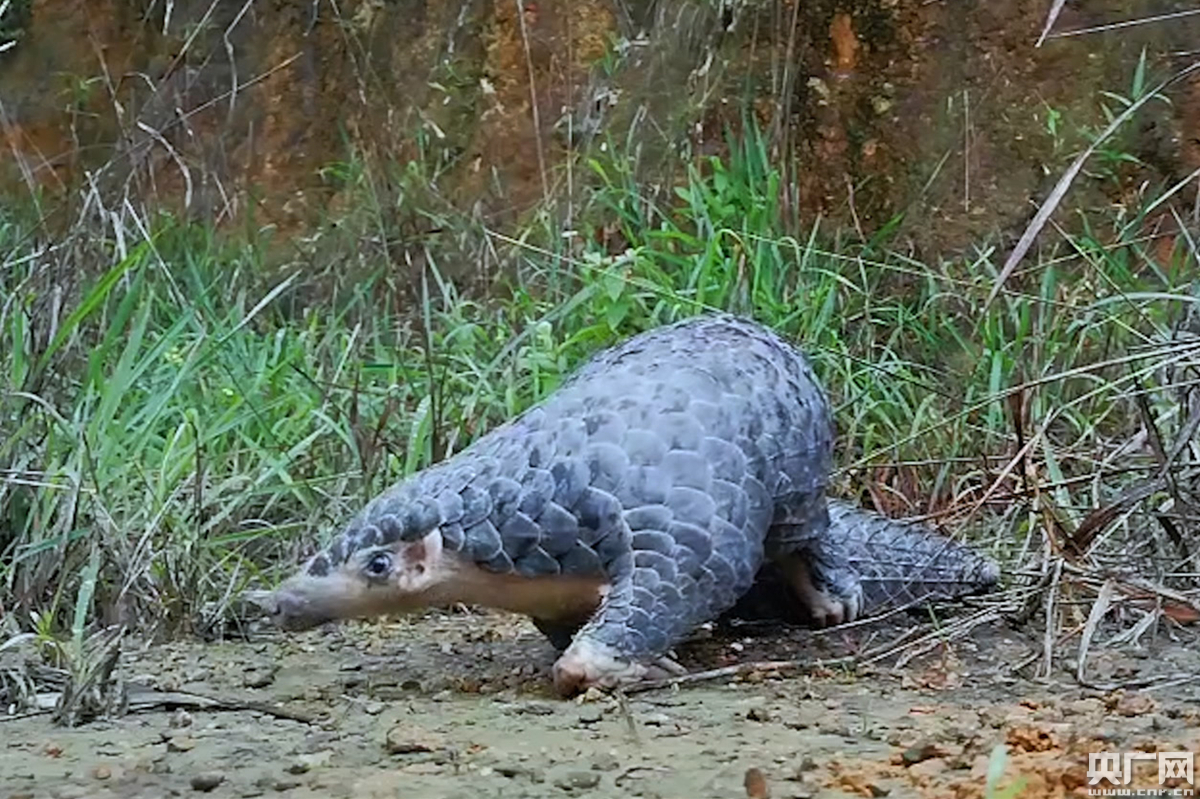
(815,563)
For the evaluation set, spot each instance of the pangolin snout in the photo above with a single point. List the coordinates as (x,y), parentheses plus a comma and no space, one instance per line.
(293,612)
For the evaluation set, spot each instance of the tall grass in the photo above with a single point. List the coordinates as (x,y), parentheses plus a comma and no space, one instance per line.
(198,418)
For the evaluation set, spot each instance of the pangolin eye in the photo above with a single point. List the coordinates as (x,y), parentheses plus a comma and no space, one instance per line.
(380,565)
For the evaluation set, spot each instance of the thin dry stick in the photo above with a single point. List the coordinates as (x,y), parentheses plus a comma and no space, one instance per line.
(1051,18)
(1099,609)
(233,76)
(1051,595)
(944,635)
(735,671)
(533,103)
(1129,23)
(1064,183)
(966,151)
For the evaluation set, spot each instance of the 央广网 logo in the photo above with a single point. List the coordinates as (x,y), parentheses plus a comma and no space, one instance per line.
(1117,769)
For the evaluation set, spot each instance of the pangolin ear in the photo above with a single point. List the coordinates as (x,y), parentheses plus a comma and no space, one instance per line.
(418,562)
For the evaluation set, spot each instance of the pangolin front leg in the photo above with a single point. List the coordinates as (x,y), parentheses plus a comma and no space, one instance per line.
(683,568)
(641,616)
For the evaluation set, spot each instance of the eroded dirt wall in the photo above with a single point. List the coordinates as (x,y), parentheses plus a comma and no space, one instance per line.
(939,110)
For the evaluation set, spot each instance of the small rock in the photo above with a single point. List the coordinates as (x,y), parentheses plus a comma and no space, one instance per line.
(755,783)
(374,708)
(316,742)
(1131,705)
(834,728)
(806,764)
(592,694)
(404,739)
(181,743)
(1087,705)
(180,719)
(656,720)
(924,751)
(258,678)
(513,771)
(426,767)
(758,714)
(578,781)
(285,784)
(927,771)
(536,709)
(590,715)
(605,761)
(207,781)
(101,772)
(305,763)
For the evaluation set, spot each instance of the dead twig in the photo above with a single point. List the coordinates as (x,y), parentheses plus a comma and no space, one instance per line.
(1051,18)
(146,699)
(1099,610)
(738,670)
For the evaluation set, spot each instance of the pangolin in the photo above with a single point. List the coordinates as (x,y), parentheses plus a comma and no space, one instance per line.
(650,493)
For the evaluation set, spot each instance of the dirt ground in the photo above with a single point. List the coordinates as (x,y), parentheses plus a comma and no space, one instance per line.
(458,705)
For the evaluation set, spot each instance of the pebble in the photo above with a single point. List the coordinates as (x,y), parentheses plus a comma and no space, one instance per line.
(1134,705)
(404,740)
(181,743)
(605,761)
(207,781)
(259,678)
(302,764)
(513,771)
(374,708)
(920,752)
(578,781)
(315,742)
(755,783)
(590,715)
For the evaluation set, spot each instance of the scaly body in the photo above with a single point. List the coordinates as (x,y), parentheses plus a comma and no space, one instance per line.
(642,498)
